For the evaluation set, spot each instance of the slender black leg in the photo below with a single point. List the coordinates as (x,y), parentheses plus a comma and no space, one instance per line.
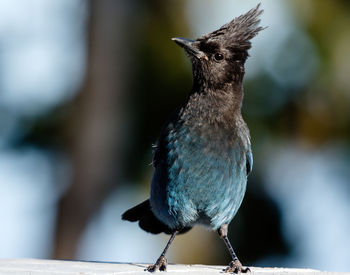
(235,265)
(161,262)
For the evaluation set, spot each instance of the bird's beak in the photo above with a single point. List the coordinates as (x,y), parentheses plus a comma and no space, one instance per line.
(190,47)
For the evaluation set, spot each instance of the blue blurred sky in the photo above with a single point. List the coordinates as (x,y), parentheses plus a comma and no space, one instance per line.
(42,59)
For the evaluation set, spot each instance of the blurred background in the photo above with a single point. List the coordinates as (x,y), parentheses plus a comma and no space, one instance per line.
(85,87)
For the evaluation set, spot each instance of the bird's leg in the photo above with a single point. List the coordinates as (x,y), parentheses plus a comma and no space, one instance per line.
(161,262)
(235,265)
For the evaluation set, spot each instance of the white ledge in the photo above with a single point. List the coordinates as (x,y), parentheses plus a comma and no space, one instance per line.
(57,267)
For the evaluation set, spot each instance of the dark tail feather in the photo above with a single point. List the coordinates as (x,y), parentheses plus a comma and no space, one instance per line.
(147,220)
(134,214)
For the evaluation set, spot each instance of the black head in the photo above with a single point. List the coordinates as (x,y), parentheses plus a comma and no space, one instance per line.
(218,58)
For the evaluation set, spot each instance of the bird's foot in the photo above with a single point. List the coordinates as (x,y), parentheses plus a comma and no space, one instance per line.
(236,267)
(160,265)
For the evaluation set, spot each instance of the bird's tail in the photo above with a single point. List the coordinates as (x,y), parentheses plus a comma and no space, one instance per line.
(147,220)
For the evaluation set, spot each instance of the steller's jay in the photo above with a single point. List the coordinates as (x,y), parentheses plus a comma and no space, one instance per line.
(203,155)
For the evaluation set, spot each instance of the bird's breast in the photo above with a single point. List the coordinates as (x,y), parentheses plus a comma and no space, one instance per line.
(206,173)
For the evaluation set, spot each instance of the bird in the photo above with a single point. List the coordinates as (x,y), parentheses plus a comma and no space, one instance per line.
(203,155)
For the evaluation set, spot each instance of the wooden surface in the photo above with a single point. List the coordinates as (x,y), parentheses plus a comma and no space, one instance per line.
(55,267)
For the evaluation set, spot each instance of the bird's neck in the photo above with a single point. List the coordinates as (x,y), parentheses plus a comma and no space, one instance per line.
(215,105)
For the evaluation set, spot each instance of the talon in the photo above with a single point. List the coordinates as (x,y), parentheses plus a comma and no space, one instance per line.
(151,268)
(236,267)
(160,265)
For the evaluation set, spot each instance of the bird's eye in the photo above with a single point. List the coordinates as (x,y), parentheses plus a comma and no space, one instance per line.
(218,57)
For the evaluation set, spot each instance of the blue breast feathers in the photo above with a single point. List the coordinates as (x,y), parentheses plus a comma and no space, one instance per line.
(206,179)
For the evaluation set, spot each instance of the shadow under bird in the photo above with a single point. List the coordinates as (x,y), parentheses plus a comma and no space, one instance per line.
(203,155)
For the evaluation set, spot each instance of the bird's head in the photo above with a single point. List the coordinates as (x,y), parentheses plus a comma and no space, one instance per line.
(218,58)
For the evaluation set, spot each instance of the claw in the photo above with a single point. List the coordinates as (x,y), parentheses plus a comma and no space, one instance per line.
(160,265)
(236,268)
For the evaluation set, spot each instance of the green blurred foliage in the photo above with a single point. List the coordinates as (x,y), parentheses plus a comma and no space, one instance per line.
(160,76)
(318,110)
